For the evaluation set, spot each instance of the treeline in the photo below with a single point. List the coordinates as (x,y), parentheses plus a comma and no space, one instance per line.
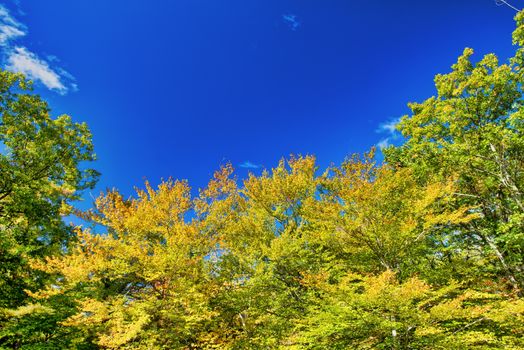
(422,251)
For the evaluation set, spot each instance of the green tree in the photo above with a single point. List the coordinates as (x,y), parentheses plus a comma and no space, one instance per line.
(41,173)
(474,128)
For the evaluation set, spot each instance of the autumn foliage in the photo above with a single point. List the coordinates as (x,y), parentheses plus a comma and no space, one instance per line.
(424,250)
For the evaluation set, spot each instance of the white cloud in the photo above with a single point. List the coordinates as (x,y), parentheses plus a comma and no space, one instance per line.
(392,134)
(8,33)
(10,28)
(18,58)
(248,165)
(389,127)
(383,143)
(23,61)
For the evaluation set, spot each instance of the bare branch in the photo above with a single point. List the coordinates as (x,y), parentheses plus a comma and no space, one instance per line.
(504,2)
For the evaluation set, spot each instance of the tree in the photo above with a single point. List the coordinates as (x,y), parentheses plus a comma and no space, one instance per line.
(290,238)
(424,251)
(41,174)
(385,219)
(381,312)
(474,128)
(144,284)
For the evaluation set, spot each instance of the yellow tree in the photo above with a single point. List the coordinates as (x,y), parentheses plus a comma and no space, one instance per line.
(381,312)
(145,282)
(265,249)
(384,216)
(396,291)
(289,226)
(289,259)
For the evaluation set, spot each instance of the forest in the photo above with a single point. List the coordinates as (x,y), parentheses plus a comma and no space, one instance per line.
(423,249)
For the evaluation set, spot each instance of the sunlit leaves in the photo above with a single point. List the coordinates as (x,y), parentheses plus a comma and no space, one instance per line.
(148,271)
(473,130)
(42,171)
(423,251)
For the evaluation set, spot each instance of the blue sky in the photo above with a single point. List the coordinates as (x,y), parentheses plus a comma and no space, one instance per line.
(176,88)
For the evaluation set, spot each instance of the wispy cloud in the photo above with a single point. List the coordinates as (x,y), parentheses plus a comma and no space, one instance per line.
(248,165)
(389,126)
(384,143)
(17,58)
(23,61)
(390,129)
(9,27)
(292,21)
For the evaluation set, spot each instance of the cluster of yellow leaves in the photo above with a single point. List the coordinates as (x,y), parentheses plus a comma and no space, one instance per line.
(147,270)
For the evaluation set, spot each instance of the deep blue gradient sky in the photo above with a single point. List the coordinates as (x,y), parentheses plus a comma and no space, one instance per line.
(176,88)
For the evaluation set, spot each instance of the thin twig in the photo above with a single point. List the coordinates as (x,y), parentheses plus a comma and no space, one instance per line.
(470,324)
(503,2)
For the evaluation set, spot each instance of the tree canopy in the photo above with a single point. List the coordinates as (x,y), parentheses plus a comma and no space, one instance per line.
(41,174)
(421,251)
